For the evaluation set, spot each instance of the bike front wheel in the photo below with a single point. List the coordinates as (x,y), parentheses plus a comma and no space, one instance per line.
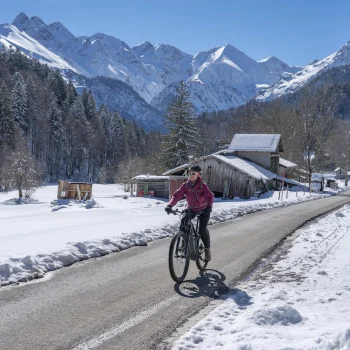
(200,262)
(179,259)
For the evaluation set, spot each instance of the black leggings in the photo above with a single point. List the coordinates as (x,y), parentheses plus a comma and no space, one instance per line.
(203,223)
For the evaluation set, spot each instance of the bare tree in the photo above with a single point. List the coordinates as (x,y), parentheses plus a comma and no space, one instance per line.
(314,123)
(23,173)
(127,169)
(338,147)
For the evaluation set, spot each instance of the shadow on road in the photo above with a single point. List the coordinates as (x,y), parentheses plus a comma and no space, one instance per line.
(342,194)
(209,283)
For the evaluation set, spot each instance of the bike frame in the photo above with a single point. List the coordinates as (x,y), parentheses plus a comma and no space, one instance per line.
(191,231)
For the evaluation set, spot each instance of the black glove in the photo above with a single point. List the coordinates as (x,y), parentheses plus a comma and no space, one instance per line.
(208,209)
(168,209)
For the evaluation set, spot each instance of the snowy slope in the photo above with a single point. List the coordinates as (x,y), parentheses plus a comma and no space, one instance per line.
(277,67)
(296,81)
(221,78)
(118,95)
(10,36)
(172,64)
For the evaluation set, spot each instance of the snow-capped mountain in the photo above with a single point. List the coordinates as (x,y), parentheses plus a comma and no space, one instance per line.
(294,82)
(10,36)
(277,67)
(223,77)
(220,78)
(105,55)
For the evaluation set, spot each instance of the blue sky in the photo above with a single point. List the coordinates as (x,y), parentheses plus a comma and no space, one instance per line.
(295,31)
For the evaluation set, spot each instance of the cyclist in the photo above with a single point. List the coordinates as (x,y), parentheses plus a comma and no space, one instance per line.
(199,199)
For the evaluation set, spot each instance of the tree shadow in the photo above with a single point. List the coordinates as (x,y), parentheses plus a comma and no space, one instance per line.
(209,283)
(19,201)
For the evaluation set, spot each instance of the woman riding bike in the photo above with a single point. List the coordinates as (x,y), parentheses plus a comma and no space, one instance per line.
(199,199)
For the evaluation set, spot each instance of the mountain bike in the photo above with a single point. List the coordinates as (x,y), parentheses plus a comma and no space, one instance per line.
(186,245)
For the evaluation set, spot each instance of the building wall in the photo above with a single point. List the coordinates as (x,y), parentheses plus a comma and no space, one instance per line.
(261,158)
(216,173)
(287,172)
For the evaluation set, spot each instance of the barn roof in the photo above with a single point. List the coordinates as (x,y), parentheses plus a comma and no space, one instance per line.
(151,177)
(286,163)
(175,170)
(249,168)
(255,142)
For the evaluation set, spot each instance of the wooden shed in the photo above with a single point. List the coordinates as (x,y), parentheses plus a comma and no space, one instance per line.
(74,190)
(287,168)
(231,176)
(156,186)
(340,173)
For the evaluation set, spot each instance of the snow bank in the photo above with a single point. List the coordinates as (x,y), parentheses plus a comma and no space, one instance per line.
(38,238)
(297,300)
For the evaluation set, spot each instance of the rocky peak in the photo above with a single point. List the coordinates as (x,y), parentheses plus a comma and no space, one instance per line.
(21,22)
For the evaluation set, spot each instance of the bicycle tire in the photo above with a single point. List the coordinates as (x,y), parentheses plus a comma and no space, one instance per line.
(200,262)
(179,250)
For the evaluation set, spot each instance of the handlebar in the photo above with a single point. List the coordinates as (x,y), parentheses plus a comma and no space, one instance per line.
(178,212)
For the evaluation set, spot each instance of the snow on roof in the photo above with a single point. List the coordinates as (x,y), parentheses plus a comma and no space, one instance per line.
(250,168)
(255,142)
(286,163)
(290,181)
(150,177)
(316,177)
(181,167)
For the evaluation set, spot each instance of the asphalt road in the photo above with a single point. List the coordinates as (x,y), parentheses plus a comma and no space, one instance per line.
(127,300)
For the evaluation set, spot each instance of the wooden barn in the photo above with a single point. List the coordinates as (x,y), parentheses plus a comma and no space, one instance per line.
(249,166)
(156,186)
(231,176)
(74,190)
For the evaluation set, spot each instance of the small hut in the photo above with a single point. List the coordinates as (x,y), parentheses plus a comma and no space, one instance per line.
(74,190)
(340,173)
(156,186)
(287,168)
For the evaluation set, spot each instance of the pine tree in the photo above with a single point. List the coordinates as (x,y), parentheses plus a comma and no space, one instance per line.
(77,139)
(19,98)
(7,122)
(58,86)
(181,139)
(55,140)
(116,139)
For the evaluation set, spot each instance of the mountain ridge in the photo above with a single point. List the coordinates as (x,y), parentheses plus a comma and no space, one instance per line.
(220,78)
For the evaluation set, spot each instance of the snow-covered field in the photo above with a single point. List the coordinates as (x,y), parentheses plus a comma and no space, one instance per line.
(38,237)
(299,299)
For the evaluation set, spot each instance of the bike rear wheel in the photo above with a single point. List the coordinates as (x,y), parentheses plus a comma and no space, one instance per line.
(200,262)
(179,259)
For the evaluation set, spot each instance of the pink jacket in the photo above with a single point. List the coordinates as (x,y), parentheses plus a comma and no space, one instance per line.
(198,197)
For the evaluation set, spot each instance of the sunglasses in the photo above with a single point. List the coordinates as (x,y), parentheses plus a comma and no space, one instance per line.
(192,173)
